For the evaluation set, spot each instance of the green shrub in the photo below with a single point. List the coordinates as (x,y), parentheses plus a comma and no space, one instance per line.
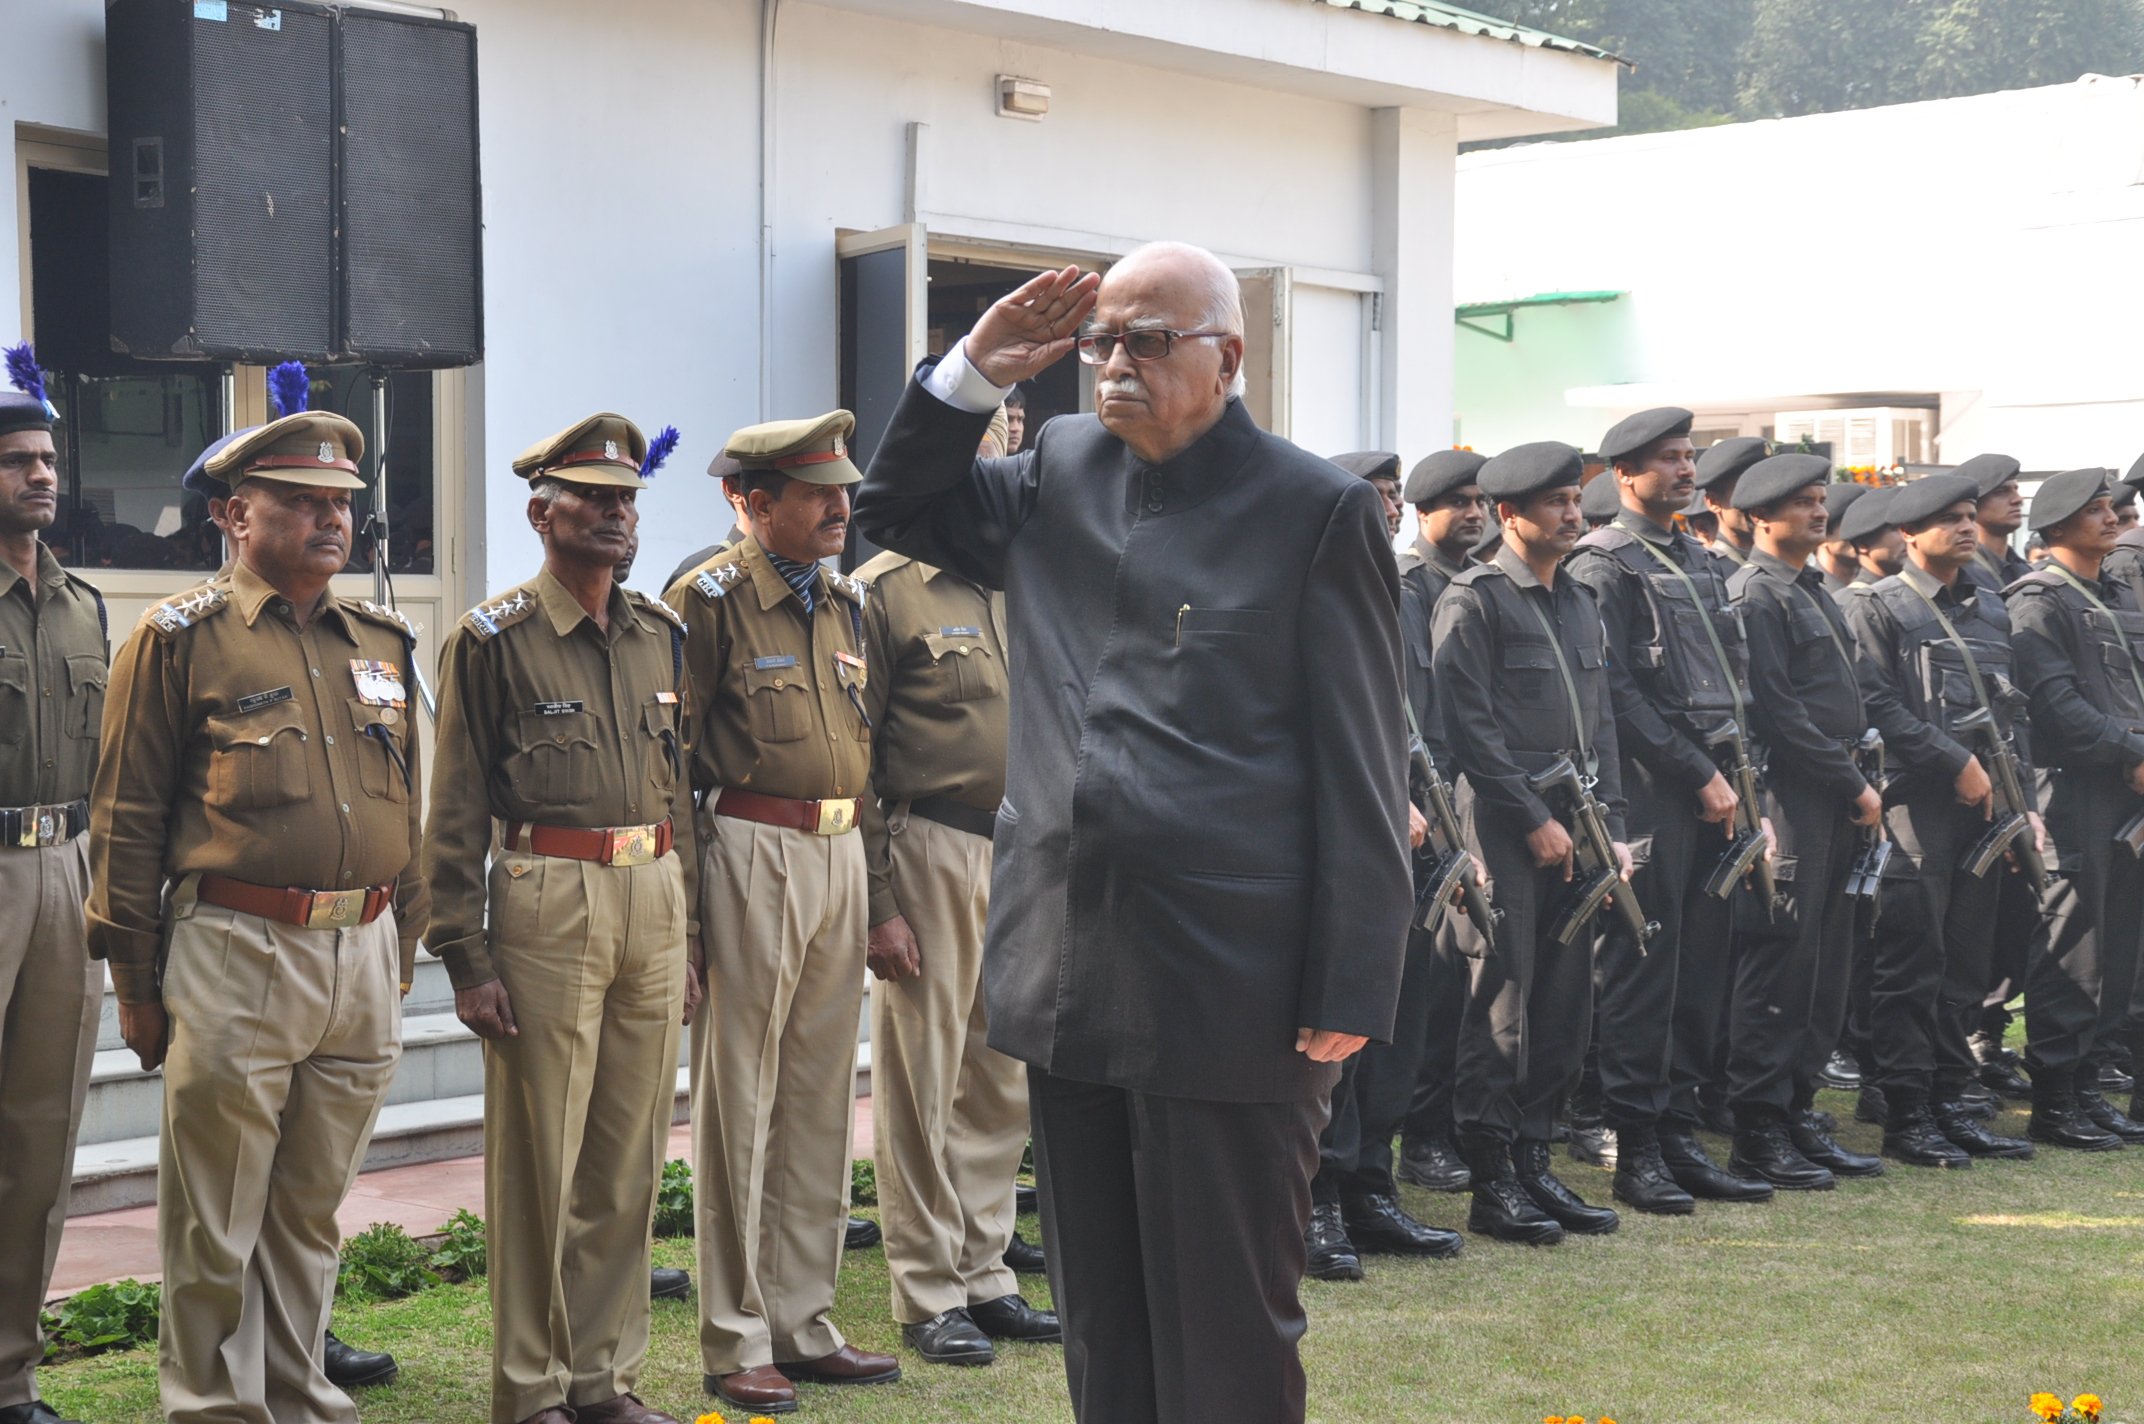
(118,1316)
(460,1253)
(382,1262)
(863,1183)
(673,1199)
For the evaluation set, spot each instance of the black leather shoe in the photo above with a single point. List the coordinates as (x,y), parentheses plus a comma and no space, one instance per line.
(1812,1138)
(1977,1099)
(2107,1117)
(862,1234)
(665,1283)
(1025,1258)
(1714,1115)
(1570,1210)
(2000,1074)
(1764,1151)
(1642,1180)
(2113,1078)
(1502,1209)
(1434,1163)
(1824,1121)
(1696,1173)
(345,1367)
(1010,1317)
(1595,1143)
(1332,1257)
(949,1338)
(1377,1224)
(2059,1120)
(2136,1105)
(1840,1071)
(35,1412)
(1971,1135)
(1912,1137)
(1026,1201)
(1872,1107)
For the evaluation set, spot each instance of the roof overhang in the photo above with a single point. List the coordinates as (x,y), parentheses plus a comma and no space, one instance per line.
(1496,80)
(1739,396)
(1497,318)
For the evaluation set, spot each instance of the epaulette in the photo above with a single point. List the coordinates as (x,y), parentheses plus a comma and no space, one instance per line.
(366,608)
(881,564)
(657,607)
(1478,573)
(2038,578)
(1607,538)
(181,611)
(486,620)
(1410,559)
(715,579)
(853,589)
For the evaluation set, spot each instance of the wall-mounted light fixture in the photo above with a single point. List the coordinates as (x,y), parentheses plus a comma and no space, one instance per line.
(1019,98)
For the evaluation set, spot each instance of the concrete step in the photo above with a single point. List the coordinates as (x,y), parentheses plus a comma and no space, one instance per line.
(431,992)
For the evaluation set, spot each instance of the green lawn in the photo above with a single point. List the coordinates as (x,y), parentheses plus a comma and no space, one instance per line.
(1939,1296)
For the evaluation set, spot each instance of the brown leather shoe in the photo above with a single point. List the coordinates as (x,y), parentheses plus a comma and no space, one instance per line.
(763,1389)
(550,1416)
(625,1409)
(847,1365)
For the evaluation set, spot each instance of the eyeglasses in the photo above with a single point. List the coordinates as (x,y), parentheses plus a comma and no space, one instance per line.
(1146,343)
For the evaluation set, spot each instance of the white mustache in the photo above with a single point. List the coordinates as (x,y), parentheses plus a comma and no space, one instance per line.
(1120,386)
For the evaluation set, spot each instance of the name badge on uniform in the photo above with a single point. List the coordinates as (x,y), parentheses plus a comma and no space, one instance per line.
(666,698)
(960,632)
(779,660)
(255,701)
(850,666)
(378,684)
(558,709)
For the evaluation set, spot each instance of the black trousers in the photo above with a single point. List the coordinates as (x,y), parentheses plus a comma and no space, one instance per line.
(1176,1248)
(2083,966)
(1663,1011)
(1793,972)
(1522,1032)
(1375,1088)
(1429,1113)
(1934,943)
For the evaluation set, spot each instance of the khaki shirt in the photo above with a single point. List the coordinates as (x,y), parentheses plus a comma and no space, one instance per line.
(776,692)
(937,698)
(52,672)
(244,745)
(546,718)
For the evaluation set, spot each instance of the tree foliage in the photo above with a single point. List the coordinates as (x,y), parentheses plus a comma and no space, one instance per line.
(1700,61)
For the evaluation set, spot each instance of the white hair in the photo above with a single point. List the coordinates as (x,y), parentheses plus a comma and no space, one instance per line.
(1220,301)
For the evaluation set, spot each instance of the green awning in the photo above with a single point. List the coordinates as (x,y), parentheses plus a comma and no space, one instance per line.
(1467,22)
(1477,316)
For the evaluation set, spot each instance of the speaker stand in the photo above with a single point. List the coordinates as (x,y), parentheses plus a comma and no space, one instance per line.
(382,586)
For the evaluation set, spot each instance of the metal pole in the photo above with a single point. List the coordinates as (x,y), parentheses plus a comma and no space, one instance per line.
(378,379)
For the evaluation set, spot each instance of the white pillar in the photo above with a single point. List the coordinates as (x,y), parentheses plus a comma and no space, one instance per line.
(1413,164)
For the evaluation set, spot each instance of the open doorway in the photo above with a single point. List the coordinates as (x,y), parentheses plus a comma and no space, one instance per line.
(961,290)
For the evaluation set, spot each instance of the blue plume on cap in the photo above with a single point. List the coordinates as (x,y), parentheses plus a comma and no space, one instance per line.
(23,374)
(289,388)
(659,450)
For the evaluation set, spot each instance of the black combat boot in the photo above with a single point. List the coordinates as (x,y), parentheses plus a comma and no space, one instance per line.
(1378,1223)
(1999,1067)
(1910,1134)
(1332,1256)
(1696,1173)
(1592,1140)
(1813,1139)
(2107,1117)
(1434,1163)
(1502,1208)
(1764,1152)
(1955,1120)
(1530,1159)
(1842,1071)
(2059,1120)
(1641,1178)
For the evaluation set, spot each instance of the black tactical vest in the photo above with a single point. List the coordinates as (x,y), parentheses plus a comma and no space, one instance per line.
(1672,658)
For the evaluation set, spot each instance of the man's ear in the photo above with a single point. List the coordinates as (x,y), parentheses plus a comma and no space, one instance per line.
(539,515)
(1231,359)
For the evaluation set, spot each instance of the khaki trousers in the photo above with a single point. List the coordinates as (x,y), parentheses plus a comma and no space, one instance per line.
(282,1044)
(577,1111)
(774,1066)
(50,990)
(949,1113)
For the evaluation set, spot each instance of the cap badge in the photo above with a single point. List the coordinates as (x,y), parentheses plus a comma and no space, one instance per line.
(841,447)
(610,449)
(327,453)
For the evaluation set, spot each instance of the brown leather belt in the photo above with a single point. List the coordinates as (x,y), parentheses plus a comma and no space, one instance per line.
(605,845)
(821,818)
(293,905)
(957,814)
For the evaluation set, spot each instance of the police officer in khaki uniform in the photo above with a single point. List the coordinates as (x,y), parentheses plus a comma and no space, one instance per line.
(950,1112)
(52,673)
(781,757)
(253,838)
(560,724)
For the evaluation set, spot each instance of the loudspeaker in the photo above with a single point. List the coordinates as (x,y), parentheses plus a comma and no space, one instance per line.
(293,181)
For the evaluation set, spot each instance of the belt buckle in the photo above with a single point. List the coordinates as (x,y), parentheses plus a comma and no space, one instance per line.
(835,817)
(335,909)
(632,845)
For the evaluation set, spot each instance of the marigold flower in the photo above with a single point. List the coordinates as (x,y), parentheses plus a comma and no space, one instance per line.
(710,1418)
(2088,1405)
(2046,1406)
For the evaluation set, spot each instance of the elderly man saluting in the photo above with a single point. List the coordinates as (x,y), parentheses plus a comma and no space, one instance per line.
(1200,896)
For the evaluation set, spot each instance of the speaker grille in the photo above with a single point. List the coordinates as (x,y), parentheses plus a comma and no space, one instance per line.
(412,276)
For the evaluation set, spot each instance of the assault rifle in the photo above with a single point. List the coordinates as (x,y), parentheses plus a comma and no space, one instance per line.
(1599,879)
(1864,882)
(1451,869)
(1748,853)
(2012,830)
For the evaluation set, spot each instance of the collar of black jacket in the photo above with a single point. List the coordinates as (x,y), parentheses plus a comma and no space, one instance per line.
(1197,472)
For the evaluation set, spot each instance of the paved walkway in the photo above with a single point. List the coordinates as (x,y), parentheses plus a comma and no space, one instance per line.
(113,1245)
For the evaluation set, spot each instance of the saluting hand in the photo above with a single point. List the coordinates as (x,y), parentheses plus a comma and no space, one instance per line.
(147,1030)
(486,1011)
(1029,329)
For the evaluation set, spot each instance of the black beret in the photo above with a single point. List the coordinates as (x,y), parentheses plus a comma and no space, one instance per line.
(1988,471)
(2122,494)
(1776,476)
(1435,476)
(1696,507)
(21,412)
(199,480)
(2061,496)
(1524,471)
(1841,496)
(2135,478)
(722,467)
(1728,459)
(1929,496)
(1602,498)
(1370,464)
(1868,516)
(1634,432)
